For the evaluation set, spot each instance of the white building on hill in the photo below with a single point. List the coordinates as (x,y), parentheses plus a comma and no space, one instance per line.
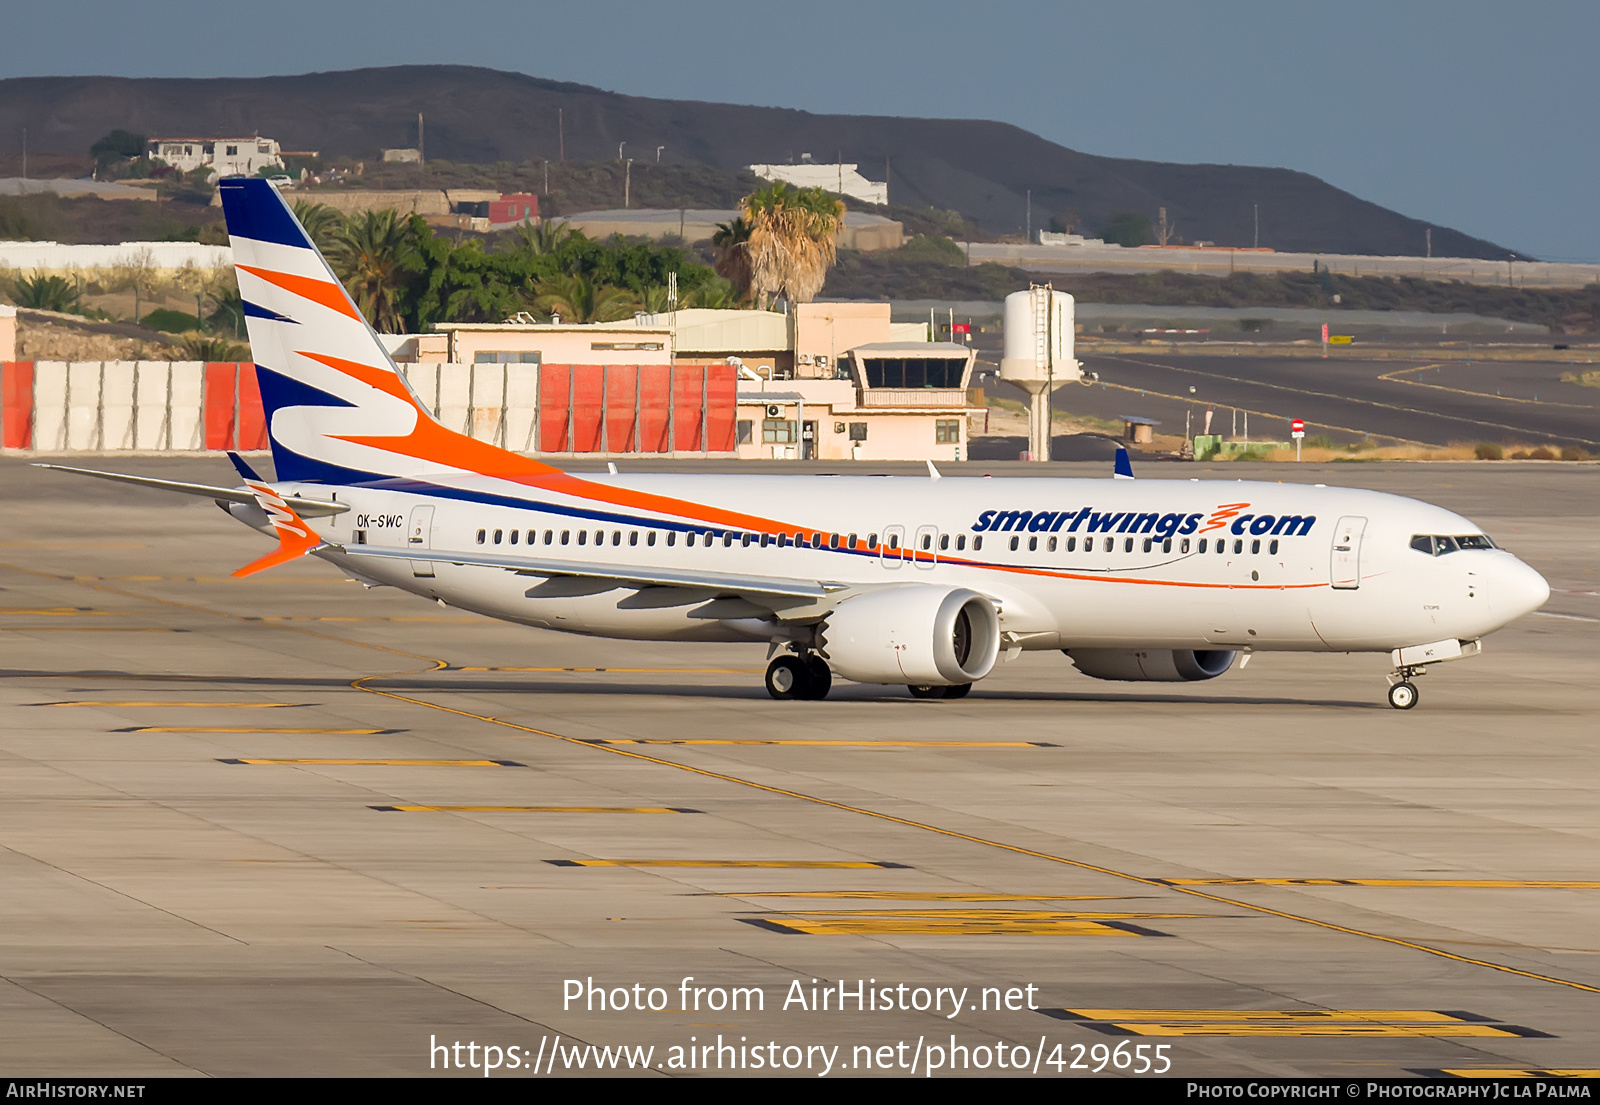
(842,178)
(223,156)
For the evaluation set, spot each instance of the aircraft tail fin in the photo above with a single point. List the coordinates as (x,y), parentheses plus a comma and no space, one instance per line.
(338,410)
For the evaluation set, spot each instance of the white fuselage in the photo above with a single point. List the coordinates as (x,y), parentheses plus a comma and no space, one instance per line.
(1069,563)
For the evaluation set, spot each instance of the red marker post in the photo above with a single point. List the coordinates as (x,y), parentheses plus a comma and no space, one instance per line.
(1297,430)
(1324,341)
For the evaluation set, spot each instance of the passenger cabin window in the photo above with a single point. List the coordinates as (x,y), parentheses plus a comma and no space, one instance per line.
(514,535)
(1255,546)
(961,542)
(944,541)
(481,535)
(872,541)
(977,543)
(650,538)
(1052,544)
(566,536)
(1127,545)
(672,539)
(549,537)
(497,535)
(1184,546)
(1033,544)
(583,537)
(1238,547)
(1273,548)
(1014,542)
(1072,544)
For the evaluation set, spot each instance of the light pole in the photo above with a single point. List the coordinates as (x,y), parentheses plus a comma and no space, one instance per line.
(658,154)
(627,181)
(619,150)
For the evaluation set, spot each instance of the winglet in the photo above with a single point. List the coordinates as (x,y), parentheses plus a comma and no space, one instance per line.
(242,467)
(295,536)
(933,473)
(1123,469)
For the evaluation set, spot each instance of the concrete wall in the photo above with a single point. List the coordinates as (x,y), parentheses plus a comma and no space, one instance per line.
(54,257)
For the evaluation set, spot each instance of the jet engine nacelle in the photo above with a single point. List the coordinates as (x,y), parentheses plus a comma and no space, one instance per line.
(1151,665)
(915,635)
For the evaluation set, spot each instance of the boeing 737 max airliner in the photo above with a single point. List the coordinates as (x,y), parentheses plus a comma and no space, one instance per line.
(924,582)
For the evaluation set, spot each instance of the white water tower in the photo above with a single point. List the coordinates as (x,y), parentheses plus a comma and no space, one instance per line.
(1038,355)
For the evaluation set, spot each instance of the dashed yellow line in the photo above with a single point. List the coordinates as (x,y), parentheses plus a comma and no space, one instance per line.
(252,729)
(372,763)
(1291,1022)
(808,864)
(918,896)
(946,926)
(1517,1072)
(533,809)
(212,705)
(1470,884)
(826,743)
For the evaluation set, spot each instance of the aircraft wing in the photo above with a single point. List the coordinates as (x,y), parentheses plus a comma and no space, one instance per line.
(306,508)
(623,574)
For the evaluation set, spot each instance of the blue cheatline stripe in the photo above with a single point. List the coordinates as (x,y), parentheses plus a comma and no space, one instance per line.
(253,310)
(255,210)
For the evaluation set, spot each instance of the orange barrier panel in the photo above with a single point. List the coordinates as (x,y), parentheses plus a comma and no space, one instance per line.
(622,382)
(16,405)
(586,400)
(655,395)
(687,381)
(722,403)
(252,416)
(554,382)
(218,404)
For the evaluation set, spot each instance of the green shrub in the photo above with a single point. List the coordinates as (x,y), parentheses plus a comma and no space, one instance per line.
(1572,452)
(169,321)
(1489,451)
(1321,441)
(46,293)
(1541,453)
(199,347)
(933,247)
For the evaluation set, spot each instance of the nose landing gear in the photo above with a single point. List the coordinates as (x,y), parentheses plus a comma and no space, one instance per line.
(1403,695)
(804,676)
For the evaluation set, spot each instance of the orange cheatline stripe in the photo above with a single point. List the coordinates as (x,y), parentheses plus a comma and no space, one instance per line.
(321,292)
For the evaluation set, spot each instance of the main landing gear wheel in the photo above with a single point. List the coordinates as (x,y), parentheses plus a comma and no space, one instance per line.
(803,678)
(819,679)
(929,692)
(959,690)
(786,677)
(1403,696)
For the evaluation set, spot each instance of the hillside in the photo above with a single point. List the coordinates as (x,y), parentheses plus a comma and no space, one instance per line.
(981,169)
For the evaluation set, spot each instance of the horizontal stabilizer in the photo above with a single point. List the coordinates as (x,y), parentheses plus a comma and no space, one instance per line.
(306,508)
(622,573)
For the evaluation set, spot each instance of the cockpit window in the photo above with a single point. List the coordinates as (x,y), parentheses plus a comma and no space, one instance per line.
(1435,545)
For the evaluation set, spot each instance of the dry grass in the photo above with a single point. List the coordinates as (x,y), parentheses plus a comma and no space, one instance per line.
(45,341)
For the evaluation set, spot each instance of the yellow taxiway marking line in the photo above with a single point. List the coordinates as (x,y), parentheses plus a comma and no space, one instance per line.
(297,581)
(953,834)
(213,705)
(252,729)
(63,612)
(90,629)
(1289,1022)
(986,915)
(633,671)
(914,896)
(1481,884)
(533,809)
(805,863)
(827,744)
(330,618)
(1521,1072)
(1351,1029)
(944,926)
(375,763)
(1265,1016)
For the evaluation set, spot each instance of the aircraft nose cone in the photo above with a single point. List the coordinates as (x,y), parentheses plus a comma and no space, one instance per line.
(1519,590)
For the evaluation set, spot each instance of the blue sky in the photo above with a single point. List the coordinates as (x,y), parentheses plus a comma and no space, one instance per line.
(1467,114)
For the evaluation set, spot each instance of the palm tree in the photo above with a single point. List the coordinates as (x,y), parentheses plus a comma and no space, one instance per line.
(716,293)
(368,254)
(542,239)
(228,309)
(577,299)
(791,247)
(732,244)
(322,223)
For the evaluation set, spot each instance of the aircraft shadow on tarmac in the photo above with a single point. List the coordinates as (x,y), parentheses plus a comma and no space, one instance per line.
(428,682)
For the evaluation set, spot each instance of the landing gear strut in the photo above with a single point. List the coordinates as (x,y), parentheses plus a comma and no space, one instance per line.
(805,677)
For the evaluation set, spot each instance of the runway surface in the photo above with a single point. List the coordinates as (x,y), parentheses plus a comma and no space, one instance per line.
(292,826)
(1437,403)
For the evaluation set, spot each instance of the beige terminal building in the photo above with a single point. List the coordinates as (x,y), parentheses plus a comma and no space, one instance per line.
(830,381)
